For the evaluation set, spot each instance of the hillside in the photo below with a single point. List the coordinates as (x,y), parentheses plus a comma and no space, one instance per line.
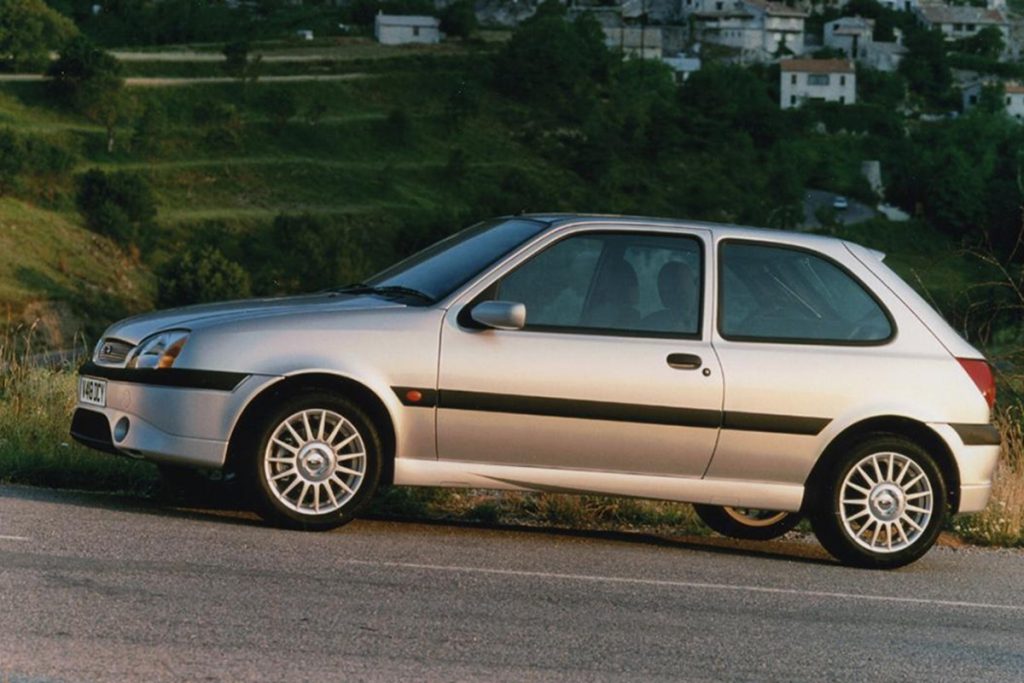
(414,144)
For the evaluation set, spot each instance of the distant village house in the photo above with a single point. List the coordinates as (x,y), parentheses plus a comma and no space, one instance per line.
(817,80)
(394,29)
(759,29)
(635,41)
(961,21)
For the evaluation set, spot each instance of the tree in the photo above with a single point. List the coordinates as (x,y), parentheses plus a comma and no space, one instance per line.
(458,20)
(120,205)
(554,63)
(281,107)
(89,80)
(926,67)
(200,276)
(236,59)
(29,29)
(988,42)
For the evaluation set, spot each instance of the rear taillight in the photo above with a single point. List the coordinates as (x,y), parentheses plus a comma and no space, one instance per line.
(981,373)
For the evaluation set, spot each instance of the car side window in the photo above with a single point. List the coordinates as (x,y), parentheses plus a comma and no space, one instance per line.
(774,293)
(631,283)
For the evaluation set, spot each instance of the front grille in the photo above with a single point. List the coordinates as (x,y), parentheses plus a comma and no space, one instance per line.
(113,351)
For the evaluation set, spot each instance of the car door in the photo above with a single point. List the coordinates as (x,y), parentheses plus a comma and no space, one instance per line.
(802,341)
(613,370)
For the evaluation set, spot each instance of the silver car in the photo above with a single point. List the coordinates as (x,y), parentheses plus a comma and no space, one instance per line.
(760,375)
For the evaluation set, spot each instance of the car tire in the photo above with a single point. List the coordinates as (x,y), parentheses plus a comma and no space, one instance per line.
(315,463)
(747,523)
(882,504)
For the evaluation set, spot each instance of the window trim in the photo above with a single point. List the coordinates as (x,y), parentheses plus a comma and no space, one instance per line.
(720,295)
(465,320)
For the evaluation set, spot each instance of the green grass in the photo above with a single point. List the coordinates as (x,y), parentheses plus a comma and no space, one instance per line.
(56,269)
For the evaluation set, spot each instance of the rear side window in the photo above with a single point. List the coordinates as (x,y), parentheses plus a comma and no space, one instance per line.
(773,293)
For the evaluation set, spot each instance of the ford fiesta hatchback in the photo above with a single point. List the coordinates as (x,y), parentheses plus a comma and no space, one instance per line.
(761,375)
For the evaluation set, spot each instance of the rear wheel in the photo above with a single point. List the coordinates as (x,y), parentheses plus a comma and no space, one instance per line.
(317,462)
(747,523)
(883,504)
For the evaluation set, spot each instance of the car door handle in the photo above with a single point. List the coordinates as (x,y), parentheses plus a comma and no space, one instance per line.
(684,361)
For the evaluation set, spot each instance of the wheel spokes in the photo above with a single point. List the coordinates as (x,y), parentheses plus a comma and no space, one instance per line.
(305,466)
(886,502)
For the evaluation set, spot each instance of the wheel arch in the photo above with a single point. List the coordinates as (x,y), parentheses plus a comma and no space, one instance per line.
(365,397)
(918,432)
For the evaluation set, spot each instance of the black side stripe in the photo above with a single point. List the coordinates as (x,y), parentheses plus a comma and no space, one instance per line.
(616,412)
(778,424)
(978,435)
(587,410)
(168,377)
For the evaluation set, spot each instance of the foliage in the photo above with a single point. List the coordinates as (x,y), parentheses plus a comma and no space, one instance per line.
(89,80)
(926,66)
(988,42)
(362,12)
(281,107)
(200,276)
(310,254)
(120,205)
(552,61)
(458,20)
(29,29)
(22,156)
(236,58)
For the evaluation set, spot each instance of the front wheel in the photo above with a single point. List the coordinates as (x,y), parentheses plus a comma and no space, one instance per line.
(883,504)
(747,523)
(317,462)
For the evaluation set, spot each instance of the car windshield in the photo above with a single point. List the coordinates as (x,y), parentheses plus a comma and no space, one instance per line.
(443,267)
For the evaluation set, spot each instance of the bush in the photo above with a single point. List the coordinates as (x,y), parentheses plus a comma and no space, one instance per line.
(119,205)
(200,276)
(22,156)
(310,253)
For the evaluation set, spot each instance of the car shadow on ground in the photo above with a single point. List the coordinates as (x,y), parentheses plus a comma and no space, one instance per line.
(224,504)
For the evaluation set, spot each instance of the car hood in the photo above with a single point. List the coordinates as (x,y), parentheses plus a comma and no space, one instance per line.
(137,328)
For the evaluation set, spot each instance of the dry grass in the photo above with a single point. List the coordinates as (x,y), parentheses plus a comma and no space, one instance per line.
(36,403)
(539,509)
(1002,523)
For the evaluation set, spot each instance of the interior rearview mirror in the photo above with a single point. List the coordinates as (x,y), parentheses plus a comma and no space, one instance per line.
(500,315)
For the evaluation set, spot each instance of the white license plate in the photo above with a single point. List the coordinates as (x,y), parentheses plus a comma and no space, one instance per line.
(92,391)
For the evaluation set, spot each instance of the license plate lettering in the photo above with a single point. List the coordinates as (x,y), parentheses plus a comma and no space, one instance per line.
(92,391)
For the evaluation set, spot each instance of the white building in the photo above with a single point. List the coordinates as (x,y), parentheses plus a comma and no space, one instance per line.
(817,80)
(682,66)
(852,35)
(635,41)
(959,21)
(759,29)
(899,5)
(1013,97)
(394,29)
(1015,100)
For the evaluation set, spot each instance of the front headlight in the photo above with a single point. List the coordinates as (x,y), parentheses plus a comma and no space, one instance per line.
(159,350)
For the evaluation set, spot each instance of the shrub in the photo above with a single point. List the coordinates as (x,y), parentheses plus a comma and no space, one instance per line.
(119,205)
(200,276)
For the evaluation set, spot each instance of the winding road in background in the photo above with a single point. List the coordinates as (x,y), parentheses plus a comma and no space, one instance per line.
(101,588)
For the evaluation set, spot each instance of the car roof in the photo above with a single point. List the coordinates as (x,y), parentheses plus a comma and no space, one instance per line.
(720,230)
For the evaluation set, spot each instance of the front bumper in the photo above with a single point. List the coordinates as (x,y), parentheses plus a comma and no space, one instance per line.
(171,423)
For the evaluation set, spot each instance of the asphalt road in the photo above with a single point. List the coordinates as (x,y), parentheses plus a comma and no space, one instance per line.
(97,588)
(856,212)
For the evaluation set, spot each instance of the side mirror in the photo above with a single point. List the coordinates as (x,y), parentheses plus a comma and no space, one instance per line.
(500,315)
